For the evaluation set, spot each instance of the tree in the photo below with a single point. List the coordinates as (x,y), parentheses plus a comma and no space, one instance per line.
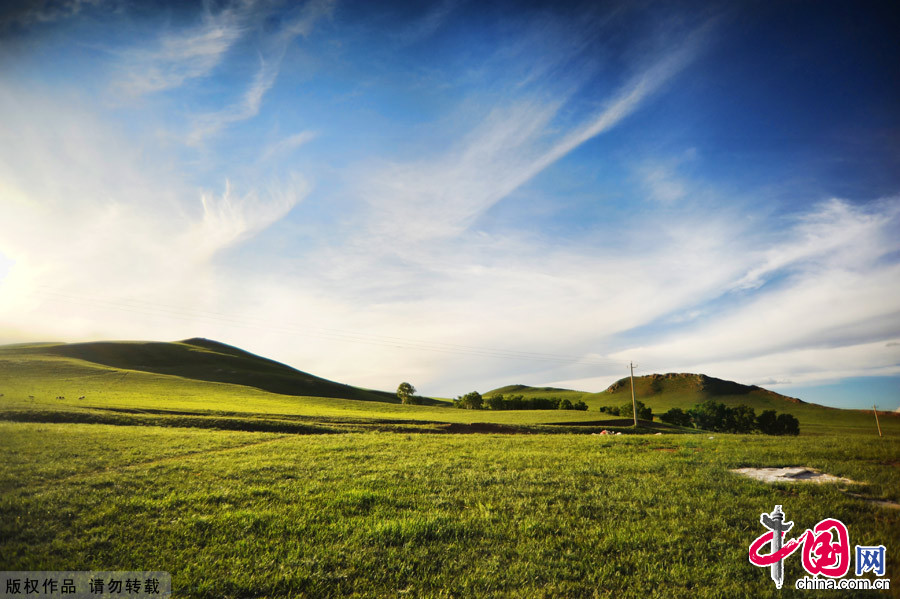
(743,419)
(470,401)
(676,416)
(494,402)
(643,412)
(406,393)
(786,424)
(767,422)
(580,405)
(711,416)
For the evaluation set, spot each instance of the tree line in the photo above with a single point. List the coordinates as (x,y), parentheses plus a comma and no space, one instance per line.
(708,416)
(717,417)
(475,401)
(627,409)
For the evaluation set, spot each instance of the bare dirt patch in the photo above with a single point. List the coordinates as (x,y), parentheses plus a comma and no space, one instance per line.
(800,474)
(797,474)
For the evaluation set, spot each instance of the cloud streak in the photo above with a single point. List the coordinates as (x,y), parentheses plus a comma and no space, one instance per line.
(206,125)
(29,12)
(178,57)
(838,293)
(515,142)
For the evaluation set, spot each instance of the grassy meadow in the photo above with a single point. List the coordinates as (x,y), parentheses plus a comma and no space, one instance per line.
(239,491)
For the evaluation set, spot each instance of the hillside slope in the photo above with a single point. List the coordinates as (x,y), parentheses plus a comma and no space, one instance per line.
(662,391)
(684,390)
(201,360)
(699,386)
(527,391)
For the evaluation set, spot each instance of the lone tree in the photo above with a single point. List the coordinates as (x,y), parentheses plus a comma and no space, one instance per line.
(407,393)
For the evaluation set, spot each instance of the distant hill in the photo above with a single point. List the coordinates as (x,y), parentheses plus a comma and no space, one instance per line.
(700,385)
(526,390)
(202,360)
(664,391)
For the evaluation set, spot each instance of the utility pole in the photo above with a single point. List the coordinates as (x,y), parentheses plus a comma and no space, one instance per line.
(633,402)
(875,409)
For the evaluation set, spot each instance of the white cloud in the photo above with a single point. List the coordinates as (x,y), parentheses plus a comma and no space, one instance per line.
(662,183)
(247,107)
(112,224)
(836,233)
(513,143)
(179,56)
(277,45)
(287,145)
(838,293)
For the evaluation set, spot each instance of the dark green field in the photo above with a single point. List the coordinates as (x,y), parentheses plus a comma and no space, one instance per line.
(151,459)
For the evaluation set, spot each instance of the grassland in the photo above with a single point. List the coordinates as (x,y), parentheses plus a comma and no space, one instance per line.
(237,492)
(236,514)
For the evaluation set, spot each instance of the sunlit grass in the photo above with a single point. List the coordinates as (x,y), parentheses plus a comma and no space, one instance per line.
(50,383)
(234,514)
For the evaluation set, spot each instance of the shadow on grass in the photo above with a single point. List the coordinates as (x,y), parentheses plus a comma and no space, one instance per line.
(302,425)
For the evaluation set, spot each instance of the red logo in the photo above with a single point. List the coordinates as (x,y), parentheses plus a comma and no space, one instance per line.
(826,547)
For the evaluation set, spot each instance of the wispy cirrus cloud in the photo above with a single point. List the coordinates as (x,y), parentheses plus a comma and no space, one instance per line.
(427,25)
(661,181)
(276,46)
(518,139)
(179,56)
(835,298)
(837,233)
(21,13)
(247,107)
(287,145)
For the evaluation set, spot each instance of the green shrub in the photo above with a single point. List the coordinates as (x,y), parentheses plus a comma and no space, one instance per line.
(676,416)
(786,424)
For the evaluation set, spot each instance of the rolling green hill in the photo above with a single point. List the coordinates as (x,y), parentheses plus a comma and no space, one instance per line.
(662,392)
(531,391)
(176,384)
(201,360)
(683,390)
(197,378)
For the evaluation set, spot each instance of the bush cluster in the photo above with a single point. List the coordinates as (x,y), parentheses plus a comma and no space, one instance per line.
(717,417)
(474,401)
(627,410)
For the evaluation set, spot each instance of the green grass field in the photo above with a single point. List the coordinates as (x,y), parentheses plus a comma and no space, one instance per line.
(239,491)
(236,514)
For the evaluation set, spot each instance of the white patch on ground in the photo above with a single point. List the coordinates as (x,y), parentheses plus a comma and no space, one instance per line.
(797,474)
(800,474)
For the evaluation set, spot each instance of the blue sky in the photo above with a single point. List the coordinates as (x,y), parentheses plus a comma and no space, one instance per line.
(463,195)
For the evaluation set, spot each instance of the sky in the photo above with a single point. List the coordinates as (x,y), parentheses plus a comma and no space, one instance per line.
(463,195)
